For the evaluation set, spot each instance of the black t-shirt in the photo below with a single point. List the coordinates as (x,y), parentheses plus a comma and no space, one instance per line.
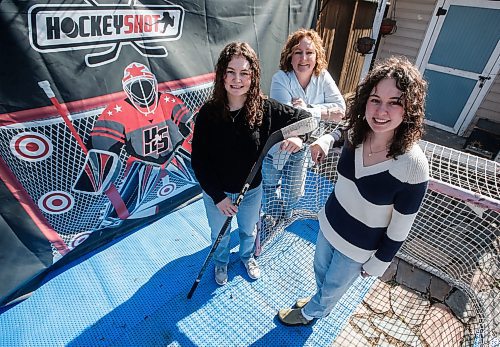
(223,151)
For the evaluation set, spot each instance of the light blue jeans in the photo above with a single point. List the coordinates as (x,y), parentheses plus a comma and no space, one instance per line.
(292,176)
(335,273)
(247,217)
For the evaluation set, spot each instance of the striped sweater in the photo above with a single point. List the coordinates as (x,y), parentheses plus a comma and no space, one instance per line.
(371,210)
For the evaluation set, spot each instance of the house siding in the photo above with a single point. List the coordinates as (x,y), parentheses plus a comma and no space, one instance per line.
(413,17)
(490,106)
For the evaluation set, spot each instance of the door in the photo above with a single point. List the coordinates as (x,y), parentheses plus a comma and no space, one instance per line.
(459,58)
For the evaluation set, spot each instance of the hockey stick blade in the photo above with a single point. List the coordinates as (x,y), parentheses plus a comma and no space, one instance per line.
(301,127)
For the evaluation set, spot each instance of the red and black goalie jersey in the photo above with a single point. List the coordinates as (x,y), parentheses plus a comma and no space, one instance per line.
(150,138)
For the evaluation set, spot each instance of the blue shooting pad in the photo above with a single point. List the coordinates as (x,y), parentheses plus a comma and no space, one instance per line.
(133,293)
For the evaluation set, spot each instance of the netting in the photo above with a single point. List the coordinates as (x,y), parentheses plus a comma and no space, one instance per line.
(443,287)
(46,159)
(441,290)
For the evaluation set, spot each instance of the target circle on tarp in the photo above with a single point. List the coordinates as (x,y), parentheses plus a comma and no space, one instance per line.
(31,146)
(56,202)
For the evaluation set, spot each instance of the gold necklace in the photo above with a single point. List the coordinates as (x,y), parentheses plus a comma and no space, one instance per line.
(372,152)
(236,116)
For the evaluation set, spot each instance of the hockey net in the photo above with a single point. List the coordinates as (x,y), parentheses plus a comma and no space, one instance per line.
(443,288)
(52,159)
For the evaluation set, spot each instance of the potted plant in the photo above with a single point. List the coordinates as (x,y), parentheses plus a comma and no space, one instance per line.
(388,25)
(364,45)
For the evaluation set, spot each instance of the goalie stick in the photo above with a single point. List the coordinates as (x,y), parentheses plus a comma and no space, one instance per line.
(301,127)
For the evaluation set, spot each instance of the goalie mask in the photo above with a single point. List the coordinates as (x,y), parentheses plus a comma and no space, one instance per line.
(141,87)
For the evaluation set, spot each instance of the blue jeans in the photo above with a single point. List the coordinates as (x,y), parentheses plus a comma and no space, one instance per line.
(247,217)
(335,273)
(280,202)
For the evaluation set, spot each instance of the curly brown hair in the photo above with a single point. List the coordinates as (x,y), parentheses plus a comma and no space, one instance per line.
(414,88)
(293,41)
(254,97)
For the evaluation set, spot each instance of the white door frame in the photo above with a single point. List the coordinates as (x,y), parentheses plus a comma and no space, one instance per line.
(491,69)
(377,21)
(469,112)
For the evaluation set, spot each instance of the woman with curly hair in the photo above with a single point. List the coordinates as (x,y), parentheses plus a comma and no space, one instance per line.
(302,82)
(230,132)
(382,180)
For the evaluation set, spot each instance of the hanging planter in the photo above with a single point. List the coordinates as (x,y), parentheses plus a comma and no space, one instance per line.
(388,25)
(364,45)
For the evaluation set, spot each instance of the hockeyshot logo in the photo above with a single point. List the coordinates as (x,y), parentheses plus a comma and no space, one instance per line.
(104,29)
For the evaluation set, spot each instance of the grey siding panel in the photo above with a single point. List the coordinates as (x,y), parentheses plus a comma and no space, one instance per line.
(413,17)
(490,107)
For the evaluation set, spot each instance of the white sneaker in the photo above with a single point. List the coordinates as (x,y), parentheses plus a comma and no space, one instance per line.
(252,268)
(221,275)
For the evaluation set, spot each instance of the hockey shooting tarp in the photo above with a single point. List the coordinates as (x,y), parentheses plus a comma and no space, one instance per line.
(98,104)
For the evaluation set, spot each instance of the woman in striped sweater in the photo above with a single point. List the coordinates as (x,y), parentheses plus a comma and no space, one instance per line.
(382,180)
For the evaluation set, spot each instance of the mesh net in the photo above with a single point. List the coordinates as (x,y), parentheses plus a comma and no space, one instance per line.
(443,287)
(441,290)
(49,179)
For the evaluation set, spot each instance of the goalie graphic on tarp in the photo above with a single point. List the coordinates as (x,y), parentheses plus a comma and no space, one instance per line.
(150,126)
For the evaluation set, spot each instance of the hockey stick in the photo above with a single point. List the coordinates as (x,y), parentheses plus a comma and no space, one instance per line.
(301,127)
(112,193)
(257,246)
(150,51)
(103,57)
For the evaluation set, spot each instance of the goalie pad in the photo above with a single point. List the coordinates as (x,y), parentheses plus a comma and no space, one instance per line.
(98,172)
(140,183)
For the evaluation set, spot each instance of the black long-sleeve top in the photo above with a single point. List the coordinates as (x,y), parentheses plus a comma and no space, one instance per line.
(223,152)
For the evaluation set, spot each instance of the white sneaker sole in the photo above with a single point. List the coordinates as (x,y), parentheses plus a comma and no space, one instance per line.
(221,284)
